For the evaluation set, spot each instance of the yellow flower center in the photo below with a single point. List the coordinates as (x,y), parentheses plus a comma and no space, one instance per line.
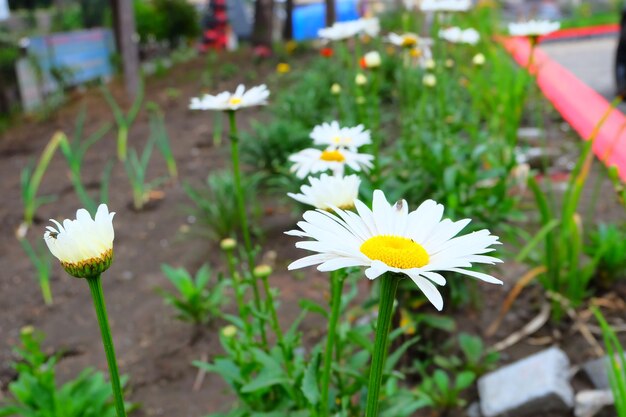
(234,101)
(416,52)
(395,251)
(408,41)
(332,156)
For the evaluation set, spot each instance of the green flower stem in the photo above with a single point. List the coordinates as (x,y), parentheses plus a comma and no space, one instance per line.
(122,141)
(270,306)
(243,311)
(336,285)
(46,293)
(95,285)
(388,287)
(243,218)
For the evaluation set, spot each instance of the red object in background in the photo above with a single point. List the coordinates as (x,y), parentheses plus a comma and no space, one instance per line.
(579,104)
(216,34)
(327,52)
(362,63)
(262,51)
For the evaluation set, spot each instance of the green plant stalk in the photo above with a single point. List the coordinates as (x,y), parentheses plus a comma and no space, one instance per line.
(241,207)
(217,130)
(336,285)
(270,306)
(388,286)
(43,269)
(122,142)
(46,292)
(95,286)
(30,205)
(243,311)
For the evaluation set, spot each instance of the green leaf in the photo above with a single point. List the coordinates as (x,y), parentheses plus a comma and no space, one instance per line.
(309,382)
(464,380)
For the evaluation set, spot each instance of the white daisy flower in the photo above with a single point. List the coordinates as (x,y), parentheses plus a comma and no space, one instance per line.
(388,238)
(334,136)
(256,96)
(445,5)
(329,191)
(533,28)
(458,35)
(370,26)
(311,161)
(340,31)
(85,245)
(406,40)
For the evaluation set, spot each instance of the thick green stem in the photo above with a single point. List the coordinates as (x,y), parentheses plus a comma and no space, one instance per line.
(243,218)
(336,285)
(95,285)
(388,287)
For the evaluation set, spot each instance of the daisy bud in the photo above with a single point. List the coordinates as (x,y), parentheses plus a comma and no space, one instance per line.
(262,271)
(478,60)
(371,60)
(360,79)
(429,80)
(335,89)
(430,64)
(228,244)
(229,331)
(85,245)
(360,100)
(449,63)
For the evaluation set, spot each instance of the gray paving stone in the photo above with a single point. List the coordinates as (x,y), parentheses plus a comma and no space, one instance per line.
(596,371)
(528,387)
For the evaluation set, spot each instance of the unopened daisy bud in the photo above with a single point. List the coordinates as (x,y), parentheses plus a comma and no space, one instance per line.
(335,89)
(262,271)
(85,245)
(430,64)
(228,244)
(429,80)
(360,100)
(283,68)
(478,60)
(449,63)
(371,60)
(27,330)
(229,331)
(360,79)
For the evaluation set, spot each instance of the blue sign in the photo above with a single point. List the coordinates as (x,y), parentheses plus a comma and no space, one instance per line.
(308,19)
(81,55)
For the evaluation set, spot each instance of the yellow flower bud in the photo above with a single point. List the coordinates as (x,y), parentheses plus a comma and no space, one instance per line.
(228,244)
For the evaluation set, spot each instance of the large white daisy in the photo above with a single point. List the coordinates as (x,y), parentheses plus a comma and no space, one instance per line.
(256,96)
(533,28)
(311,161)
(334,136)
(388,238)
(329,191)
(458,35)
(445,5)
(84,244)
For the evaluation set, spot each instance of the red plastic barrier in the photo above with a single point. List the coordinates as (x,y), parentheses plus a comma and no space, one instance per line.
(579,105)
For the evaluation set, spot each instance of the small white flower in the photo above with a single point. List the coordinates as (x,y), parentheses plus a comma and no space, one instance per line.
(445,5)
(429,80)
(85,245)
(371,60)
(327,191)
(333,136)
(256,96)
(335,89)
(360,79)
(479,60)
(430,64)
(311,161)
(340,31)
(388,238)
(406,40)
(458,35)
(533,28)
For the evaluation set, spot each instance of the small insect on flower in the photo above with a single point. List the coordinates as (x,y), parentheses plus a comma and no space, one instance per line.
(85,245)
(387,238)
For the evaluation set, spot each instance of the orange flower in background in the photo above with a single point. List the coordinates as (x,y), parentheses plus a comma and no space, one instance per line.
(327,52)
